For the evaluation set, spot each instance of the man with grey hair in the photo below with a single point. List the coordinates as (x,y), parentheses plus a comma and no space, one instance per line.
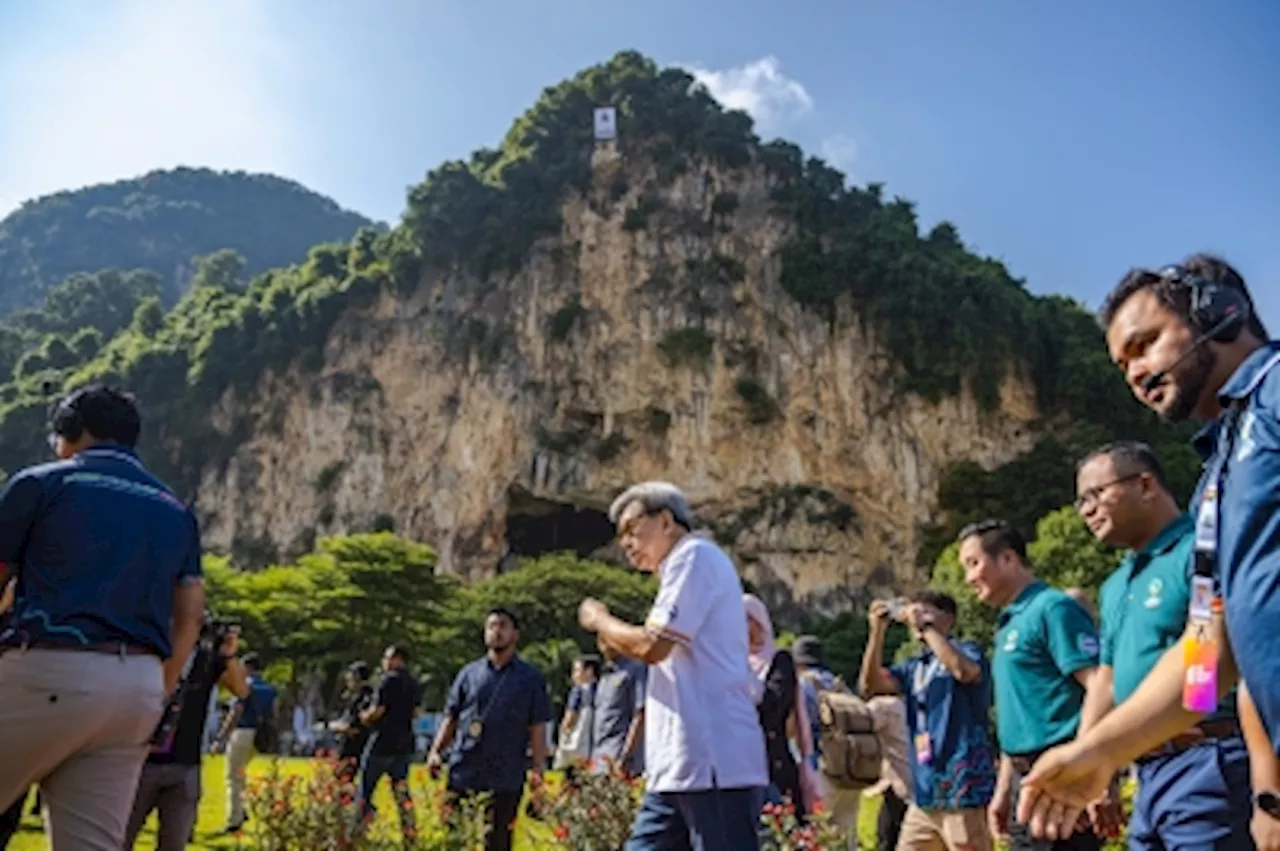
(705,764)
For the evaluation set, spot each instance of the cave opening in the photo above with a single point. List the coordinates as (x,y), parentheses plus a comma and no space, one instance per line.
(537,526)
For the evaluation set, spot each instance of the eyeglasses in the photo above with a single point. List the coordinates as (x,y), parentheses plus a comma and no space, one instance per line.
(628,529)
(1090,496)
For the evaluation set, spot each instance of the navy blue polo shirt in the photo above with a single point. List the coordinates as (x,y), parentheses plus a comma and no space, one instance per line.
(1248,527)
(960,769)
(505,702)
(259,704)
(98,544)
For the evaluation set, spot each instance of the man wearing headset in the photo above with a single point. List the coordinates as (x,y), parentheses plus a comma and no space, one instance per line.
(1190,345)
(108,607)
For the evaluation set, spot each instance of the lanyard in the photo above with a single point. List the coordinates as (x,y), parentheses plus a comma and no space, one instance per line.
(924,675)
(1200,653)
(1209,515)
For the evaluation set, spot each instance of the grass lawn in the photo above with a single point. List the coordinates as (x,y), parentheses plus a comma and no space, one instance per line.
(213,816)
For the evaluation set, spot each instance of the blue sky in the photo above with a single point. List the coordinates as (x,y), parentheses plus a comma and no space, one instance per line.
(1072,140)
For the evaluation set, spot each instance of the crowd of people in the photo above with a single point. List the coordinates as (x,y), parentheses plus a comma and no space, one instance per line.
(109,657)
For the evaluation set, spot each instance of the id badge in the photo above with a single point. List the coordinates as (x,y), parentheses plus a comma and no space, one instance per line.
(475,729)
(1201,608)
(1200,682)
(924,750)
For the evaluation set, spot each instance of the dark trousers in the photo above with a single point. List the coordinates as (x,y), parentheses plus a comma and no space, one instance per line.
(709,820)
(173,791)
(1196,799)
(395,766)
(889,821)
(501,812)
(1020,838)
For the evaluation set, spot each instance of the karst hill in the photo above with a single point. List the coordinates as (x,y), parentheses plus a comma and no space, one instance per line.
(556,318)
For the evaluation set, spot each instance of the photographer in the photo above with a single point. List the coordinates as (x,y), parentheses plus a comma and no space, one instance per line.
(249,728)
(170,780)
(352,733)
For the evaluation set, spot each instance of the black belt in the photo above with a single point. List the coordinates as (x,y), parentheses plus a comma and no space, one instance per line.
(1022,764)
(114,648)
(1205,731)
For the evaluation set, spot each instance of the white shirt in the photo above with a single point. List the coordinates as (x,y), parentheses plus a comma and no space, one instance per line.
(701,726)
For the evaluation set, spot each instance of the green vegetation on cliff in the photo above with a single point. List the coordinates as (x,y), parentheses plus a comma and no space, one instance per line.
(159,222)
(951,320)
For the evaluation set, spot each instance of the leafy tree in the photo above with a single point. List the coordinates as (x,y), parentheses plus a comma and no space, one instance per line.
(86,344)
(544,594)
(159,222)
(104,300)
(1064,553)
(148,317)
(349,599)
(844,639)
(555,660)
(221,270)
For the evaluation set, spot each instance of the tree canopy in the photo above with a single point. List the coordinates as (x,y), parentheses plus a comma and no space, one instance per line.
(354,595)
(159,222)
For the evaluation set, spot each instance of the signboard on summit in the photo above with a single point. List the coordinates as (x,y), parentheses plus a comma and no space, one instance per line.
(606,121)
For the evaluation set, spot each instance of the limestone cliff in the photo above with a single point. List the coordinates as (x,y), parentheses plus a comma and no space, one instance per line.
(650,340)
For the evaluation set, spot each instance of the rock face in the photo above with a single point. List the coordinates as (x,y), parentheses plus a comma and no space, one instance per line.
(651,340)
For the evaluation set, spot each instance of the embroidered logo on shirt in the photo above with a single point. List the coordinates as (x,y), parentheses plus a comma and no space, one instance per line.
(1153,594)
(1011,641)
(1087,643)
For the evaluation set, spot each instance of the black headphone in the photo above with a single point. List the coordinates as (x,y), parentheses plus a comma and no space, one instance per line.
(66,420)
(1216,311)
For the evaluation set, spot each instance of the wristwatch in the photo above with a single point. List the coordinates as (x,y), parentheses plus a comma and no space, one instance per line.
(1268,802)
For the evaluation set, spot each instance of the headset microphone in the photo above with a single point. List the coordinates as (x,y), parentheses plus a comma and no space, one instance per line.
(1219,330)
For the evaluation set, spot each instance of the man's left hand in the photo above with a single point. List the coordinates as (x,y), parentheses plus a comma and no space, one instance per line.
(1107,815)
(590,613)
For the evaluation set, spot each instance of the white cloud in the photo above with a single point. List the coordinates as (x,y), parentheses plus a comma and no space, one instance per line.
(840,151)
(158,85)
(758,88)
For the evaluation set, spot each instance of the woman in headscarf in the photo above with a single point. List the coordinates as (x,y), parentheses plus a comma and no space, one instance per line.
(782,702)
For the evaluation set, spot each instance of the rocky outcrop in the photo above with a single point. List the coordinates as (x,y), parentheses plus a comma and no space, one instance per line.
(650,340)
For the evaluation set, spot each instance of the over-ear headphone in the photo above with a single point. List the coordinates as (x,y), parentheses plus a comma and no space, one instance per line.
(67,421)
(1215,310)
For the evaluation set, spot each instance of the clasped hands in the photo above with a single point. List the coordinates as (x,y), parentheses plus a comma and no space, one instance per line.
(1066,782)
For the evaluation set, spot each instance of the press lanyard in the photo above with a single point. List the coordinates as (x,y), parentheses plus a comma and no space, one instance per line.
(1200,649)
(924,675)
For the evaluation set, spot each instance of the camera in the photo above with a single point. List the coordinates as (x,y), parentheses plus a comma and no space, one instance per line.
(215,630)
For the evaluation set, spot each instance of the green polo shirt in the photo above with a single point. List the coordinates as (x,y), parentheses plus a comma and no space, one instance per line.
(1044,638)
(1143,606)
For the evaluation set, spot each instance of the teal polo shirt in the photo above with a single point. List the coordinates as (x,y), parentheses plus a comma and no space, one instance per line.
(1044,637)
(1144,604)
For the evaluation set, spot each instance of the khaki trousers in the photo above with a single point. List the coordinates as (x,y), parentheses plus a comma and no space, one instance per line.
(239,752)
(844,806)
(77,723)
(945,830)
